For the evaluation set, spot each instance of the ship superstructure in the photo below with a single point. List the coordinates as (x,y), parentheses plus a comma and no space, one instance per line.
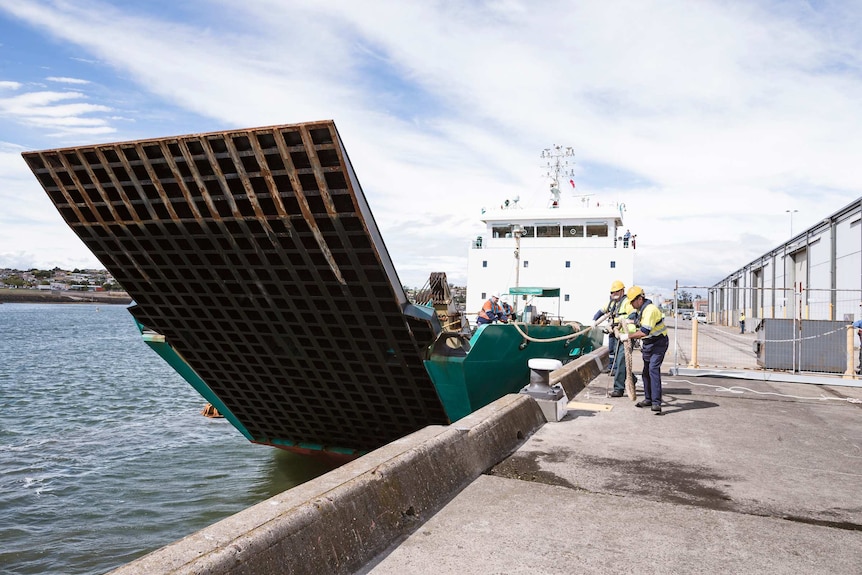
(578,245)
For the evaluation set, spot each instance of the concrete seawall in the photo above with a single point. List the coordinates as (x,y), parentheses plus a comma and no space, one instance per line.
(340,521)
(576,375)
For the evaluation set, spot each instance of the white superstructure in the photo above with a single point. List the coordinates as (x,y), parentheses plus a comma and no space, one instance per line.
(578,248)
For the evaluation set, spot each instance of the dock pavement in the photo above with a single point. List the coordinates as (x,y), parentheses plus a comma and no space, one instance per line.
(735,476)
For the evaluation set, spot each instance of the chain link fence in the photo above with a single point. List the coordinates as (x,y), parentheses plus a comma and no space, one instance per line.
(759,332)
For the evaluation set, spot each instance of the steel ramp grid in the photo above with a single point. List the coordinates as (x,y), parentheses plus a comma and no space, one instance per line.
(254,252)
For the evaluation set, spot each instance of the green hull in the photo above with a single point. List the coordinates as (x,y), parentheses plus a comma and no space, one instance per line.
(466,374)
(495,363)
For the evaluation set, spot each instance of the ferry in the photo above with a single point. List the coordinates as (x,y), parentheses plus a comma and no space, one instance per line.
(259,274)
(556,261)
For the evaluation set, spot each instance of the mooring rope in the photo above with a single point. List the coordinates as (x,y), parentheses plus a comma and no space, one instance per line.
(630,377)
(561,337)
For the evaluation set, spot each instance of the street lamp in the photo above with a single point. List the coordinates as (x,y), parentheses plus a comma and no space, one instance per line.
(518,231)
(791,212)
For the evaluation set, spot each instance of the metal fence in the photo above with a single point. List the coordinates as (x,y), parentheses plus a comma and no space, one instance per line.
(766,333)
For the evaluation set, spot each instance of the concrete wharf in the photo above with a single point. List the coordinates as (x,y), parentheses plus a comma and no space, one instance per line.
(733,477)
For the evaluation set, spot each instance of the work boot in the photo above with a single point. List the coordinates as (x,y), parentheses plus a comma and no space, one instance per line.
(644,403)
(656,409)
(616,393)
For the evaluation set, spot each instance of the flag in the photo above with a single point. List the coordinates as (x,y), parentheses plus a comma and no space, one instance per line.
(572,182)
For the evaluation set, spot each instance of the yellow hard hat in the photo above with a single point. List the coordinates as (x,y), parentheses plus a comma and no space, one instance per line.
(617,286)
(634,292)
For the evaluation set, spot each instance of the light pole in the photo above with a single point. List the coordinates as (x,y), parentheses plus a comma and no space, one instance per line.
(791,212)
(518,231)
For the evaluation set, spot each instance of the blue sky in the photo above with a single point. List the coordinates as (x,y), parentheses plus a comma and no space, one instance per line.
(707,119)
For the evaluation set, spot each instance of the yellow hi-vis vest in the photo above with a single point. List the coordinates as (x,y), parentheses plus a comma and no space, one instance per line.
(650,320)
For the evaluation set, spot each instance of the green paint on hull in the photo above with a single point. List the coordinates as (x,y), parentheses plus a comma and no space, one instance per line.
(496,363)
(166,352)
(466,375)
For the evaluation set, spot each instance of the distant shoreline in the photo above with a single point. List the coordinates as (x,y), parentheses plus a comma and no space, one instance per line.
(44,296)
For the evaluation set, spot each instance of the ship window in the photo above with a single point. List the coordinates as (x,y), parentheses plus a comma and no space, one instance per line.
(597,229)
(529,232)
(526,264)
(613,264)
(502,231)
(568,264)
(573,231)
(566,298)
(484,263)
(548,231)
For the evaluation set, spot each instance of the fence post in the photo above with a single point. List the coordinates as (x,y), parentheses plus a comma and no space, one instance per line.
(848,374)
(693,362)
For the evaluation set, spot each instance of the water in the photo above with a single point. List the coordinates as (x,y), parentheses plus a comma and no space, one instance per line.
(104,455)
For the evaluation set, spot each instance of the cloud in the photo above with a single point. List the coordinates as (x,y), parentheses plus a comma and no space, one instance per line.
(29,232)
(707,120)
(53,111)
(64,80)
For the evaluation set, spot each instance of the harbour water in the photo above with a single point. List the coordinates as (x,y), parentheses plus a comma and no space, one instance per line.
(104,455)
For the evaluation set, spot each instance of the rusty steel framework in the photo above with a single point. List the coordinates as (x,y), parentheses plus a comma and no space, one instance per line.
(255,254)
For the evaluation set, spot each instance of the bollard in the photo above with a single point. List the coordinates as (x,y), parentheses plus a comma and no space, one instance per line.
(551,399)
(693,362)
(849,373)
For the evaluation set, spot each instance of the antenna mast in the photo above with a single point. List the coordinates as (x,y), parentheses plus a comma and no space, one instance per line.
(557,164)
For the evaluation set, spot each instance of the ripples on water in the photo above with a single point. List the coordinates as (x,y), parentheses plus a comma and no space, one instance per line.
(104,455)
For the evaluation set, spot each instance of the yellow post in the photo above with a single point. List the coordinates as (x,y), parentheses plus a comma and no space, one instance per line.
(848,374)
(693,362)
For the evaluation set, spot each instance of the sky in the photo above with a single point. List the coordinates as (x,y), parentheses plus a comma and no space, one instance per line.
(722,125)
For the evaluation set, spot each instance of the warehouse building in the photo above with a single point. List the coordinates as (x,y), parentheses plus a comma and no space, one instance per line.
(816,275)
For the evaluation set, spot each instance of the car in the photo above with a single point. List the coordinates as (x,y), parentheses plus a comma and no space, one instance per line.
(700,316)
(686,314)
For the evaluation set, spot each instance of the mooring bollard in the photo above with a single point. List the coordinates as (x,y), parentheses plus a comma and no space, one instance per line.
(552,399)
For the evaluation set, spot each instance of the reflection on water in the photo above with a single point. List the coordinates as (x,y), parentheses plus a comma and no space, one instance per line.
(104,455)
(288,470)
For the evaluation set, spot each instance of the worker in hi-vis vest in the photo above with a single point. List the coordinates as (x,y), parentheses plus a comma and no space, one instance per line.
(649,327)
(491,310)
(612,308)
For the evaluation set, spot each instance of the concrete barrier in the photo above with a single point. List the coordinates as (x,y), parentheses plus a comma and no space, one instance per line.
(340,521)
(575,375)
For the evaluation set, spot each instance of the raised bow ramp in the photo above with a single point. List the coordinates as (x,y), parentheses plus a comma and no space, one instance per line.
(258,271)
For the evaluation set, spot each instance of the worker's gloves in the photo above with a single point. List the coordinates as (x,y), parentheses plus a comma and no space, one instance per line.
(624,336)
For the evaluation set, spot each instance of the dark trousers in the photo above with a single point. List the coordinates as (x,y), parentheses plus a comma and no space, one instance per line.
(653,355)
(613,344)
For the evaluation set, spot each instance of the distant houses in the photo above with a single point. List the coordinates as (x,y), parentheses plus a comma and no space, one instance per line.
(58,280)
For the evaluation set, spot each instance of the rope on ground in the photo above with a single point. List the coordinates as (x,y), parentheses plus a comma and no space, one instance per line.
(740,389)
